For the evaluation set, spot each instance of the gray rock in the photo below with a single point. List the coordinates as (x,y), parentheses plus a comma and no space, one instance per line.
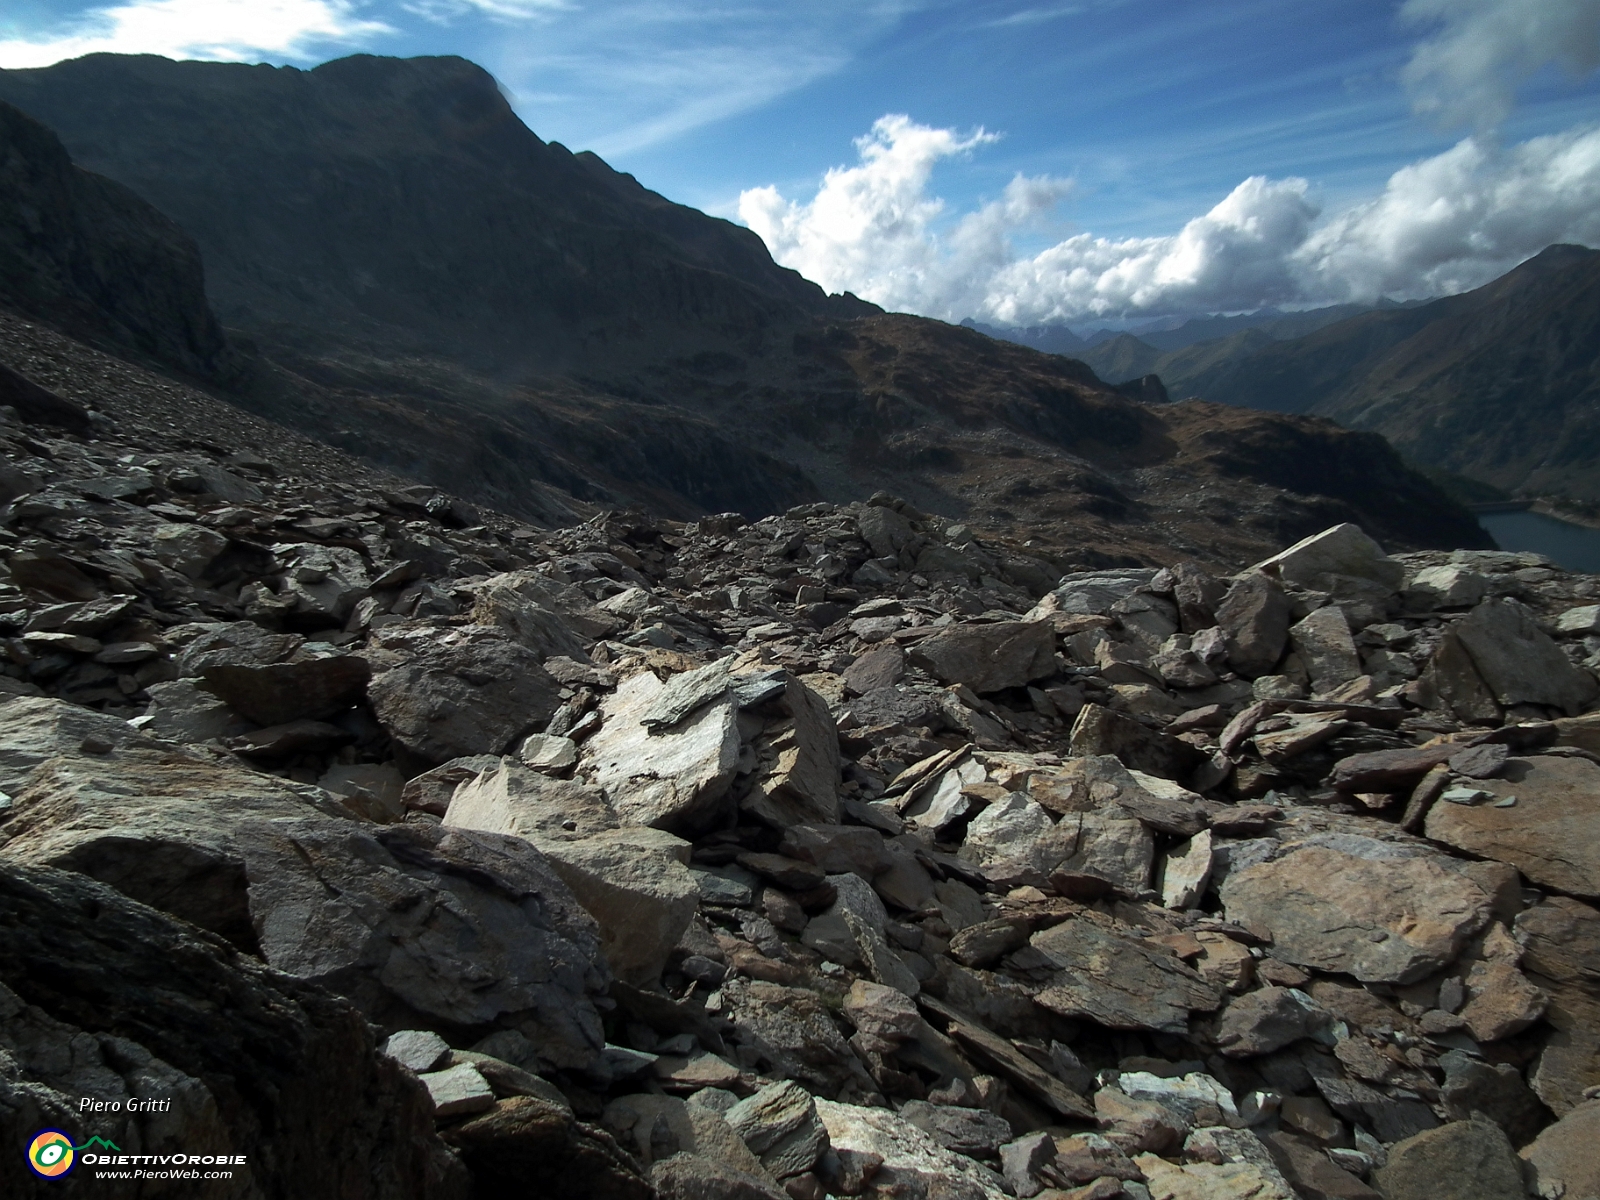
(989,658)
(975,1132)
(863,914)
(417,1049)
(688,1176)
(686,692)
(1255,617)
(1380,911)
(1269,1019)
(181,712)
(546,753)
(1326,648)
(668,779)
(1022,1161)
(1339,550)
(460,692)
(276,693)
(1519,662)
(458,1090)
(780,1125)
(882,666)
(837,849)
(1451,681)
(913,1163)
(516,603)
(882,1012)
(515,799)
(1562,1162)
(790,1032)
(801,783)
(1492,1090)
(1100,731)
(1547,835)
(1465,1160)
(36,728)
(1119,982)
(1185,871)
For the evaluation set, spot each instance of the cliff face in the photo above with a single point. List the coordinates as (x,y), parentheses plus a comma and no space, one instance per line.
(91,257)
(413,276)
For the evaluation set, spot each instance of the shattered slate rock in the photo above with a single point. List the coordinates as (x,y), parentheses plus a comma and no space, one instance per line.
(525,1138)
(669,778)
(1255,617)
(1548,835)
(781,1127)
(462,692)
(1118,982)
(1377,910)
(1464,1160)
(913,1164)
(1268,1019)
(277,693)
(458,1090)
(1518,660)
(418,1050)
(975,1132)
(1561,1161)
(989,658)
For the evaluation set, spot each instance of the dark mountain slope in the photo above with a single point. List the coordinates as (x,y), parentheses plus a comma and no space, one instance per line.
(411,275)
(91,257)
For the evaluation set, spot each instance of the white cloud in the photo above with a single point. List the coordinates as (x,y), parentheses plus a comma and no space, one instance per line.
(444,11)
(1440,225)
(226,30)
(1467,73)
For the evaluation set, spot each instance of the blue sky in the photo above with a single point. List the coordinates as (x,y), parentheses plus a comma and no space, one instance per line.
(1119,138)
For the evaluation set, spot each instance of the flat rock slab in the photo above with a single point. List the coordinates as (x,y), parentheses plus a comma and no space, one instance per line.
(1562,1160)
(1519,661)
(989,658)
(1549,834)
(914,1164)
(662,778)
(1381,911)
(276,693)
(1465,1160)
(1118,981)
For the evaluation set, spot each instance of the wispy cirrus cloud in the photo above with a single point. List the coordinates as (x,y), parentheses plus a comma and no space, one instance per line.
(225,30)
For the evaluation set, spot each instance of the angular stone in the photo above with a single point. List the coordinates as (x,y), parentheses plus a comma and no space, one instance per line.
(1547,835)
(984,944)
(1255,617)
(1388,770)
(375,790)
(790,1033)
(1500,1000)
(1119,982)
(461,692)
(781,1127)
(1210,1181)
(1269,1019)
(989,658)
(1494,1090)
(1339,550)
(517,800)
(1451,681)
(689,1176)
(668,779)
(975,1132)
(1098,730)
(1198,1099)
(1519,662)
(515,603)
(1562,1161)
(276,693)
(1006,829)
(417,1049)
(1343,903)
(181,712)
(913,1163)
(1326,648)
(802,784)
(1022,1161)
(1185,871)
(837,849)
(1098,782)
(863,914)
(525,1138)
(457,1091)
(882,666)
(1448,586)
(34,729)
(1310,1171)
(545,753)
(1085,1157)
(881,1011)
(1465,1160)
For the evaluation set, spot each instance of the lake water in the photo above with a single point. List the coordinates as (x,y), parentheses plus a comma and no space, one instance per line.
(1575,547)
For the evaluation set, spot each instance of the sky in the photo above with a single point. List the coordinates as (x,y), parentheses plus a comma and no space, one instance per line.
(1017,161)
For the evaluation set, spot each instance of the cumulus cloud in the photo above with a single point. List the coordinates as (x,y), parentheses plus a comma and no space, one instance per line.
(1443,224)
(226,30)
(1468,70)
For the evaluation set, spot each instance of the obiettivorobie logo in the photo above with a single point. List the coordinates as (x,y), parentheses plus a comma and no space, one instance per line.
(51,1154)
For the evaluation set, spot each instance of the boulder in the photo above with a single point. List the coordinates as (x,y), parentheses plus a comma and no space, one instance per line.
(1518,660)
(913,1163)
(1254,616)
(1340,550)
(688,1176)
(1382,911)
(1326,648)
(1119,982)
(975,1132)
(1100,731)
(517,800)
(882,666)
(780,1126)
(1464,1160)
(802,782)
(989,658)
(671,778)
(1547,834)
(790,1033)
(36,728)
(1562,1161)
(863,914)
(1185,871)
(1451,681)
(1269,1019)
(107,998)
(459,692)
(515,603)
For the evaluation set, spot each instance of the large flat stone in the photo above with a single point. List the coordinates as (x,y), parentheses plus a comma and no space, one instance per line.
(1518,660)
(914,1164)
(1380,911)
(1465,1160)
(1548,835)
(802,782)
(989,658)
(668,778)
(1562,1161)
(1119,982)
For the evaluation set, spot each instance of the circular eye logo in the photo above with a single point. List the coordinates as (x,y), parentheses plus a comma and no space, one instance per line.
(51,1154)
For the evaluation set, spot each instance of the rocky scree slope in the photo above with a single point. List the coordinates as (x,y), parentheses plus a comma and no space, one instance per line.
(413,276)
(846,852)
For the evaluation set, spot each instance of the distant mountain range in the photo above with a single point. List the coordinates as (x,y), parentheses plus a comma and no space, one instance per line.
(402,269)
(1500,385)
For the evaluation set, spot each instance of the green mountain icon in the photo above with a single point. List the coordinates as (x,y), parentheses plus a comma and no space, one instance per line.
(101,1142)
